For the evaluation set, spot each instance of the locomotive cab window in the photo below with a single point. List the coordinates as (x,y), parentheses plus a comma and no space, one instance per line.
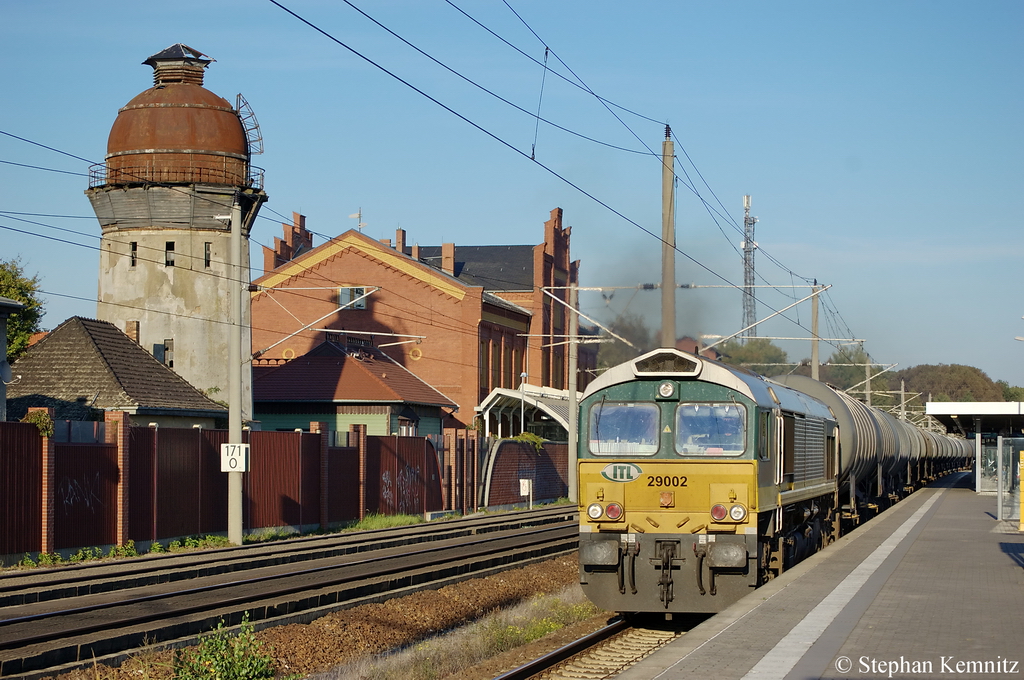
(624,428)
(711,429)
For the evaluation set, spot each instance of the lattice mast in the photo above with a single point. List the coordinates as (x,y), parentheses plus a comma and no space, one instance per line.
(749,246)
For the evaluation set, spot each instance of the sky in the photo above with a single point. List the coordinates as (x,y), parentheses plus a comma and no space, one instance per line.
(879,141)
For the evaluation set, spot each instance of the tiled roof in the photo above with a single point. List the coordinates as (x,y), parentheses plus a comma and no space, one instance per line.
(90,363)
(493,267)
(330,373)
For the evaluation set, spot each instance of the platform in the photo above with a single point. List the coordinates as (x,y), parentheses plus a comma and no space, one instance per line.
(931,588)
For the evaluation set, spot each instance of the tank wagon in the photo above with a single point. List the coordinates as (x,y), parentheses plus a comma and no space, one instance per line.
(699,481)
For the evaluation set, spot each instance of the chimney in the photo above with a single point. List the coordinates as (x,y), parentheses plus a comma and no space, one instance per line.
(448,258)
(131,329)
(386,241)
(400,240)
(416,251)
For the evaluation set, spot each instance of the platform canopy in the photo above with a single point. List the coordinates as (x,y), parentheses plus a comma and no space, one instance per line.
(988,417)
(502,409)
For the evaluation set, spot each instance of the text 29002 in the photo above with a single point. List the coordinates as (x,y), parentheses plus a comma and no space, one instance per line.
(666,480)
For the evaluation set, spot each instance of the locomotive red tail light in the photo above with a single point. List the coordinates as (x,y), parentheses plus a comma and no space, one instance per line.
(719,512)
(613,511)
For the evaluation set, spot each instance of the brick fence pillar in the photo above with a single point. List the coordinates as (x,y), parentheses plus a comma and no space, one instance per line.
(323,429)
(117,434)
(49,469)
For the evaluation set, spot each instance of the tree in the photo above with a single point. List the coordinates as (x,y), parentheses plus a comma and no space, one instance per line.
(631,327)
(1010,393)
(756,354)
(846,368)
(14,284)
(952,382)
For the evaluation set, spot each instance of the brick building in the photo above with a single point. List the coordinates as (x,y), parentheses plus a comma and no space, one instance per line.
(464,319)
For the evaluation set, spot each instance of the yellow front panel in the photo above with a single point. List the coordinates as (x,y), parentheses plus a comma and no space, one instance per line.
(668,496)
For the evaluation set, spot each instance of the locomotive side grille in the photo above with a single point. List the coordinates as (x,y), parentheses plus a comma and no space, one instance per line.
(809,449)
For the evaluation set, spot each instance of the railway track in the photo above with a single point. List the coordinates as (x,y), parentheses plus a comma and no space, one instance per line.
(603,654)
(55,620)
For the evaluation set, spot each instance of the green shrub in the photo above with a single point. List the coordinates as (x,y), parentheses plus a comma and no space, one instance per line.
(122,551)
(50,559)
(42,421)
(224,656)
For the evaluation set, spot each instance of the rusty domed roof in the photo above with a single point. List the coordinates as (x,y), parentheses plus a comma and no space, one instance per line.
(177,131)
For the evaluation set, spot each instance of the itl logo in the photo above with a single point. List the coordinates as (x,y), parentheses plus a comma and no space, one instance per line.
(621,472)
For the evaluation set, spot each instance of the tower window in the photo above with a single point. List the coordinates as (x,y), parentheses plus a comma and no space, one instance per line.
(207,248)
(169,254)
(133,253)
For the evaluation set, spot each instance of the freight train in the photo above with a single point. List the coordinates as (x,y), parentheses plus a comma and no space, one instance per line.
(700,481)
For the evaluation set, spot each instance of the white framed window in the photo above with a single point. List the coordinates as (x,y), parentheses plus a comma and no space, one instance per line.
(346,295)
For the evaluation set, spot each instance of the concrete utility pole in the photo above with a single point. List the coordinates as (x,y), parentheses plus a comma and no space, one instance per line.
(668,238)
(749,246)
(235,373)
(573,404)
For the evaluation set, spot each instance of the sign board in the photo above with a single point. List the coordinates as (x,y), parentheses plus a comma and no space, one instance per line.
(524,487)
(234,457)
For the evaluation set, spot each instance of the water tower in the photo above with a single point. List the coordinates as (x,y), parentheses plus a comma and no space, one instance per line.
(178,159)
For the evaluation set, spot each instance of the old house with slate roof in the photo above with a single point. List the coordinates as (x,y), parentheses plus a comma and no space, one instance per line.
(463,319)
(343,386)
(84,367)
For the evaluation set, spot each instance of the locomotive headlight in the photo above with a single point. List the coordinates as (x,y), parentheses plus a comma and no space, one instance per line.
(613,511)
(719,512)
(666,389)
(594,511)
(738,513)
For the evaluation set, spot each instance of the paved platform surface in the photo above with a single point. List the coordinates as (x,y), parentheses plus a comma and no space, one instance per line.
(931,588)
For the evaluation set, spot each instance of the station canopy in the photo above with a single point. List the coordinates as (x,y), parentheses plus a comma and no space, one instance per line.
(987,417)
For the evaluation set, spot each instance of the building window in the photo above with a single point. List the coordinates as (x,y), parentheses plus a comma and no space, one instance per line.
(207,252)
(133,253)
(347,294)
(169,254)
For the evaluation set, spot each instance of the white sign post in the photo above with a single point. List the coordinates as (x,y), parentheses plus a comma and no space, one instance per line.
(526,489)
(234,457)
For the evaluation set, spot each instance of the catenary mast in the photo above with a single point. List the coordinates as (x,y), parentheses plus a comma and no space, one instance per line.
(749,246)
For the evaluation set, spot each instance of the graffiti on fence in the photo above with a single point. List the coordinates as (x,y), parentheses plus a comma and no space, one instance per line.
(75,495)
(409,489)
(404,493)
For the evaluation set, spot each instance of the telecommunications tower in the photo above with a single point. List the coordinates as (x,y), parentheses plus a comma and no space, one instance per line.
(749,246)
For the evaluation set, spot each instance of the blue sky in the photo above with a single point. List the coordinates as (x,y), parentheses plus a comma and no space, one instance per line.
(880,142)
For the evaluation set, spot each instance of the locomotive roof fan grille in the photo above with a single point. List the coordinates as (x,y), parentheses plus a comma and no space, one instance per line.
(667,362)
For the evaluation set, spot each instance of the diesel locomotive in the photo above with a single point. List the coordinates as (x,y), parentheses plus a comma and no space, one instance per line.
(699,481)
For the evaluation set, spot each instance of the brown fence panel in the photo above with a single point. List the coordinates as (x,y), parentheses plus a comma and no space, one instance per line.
(178,481)
(408,480)
(309,502)
(342,484)
(375,450)
(21,486)
(284,479)
(213,503)
(85,495)
(141,483)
